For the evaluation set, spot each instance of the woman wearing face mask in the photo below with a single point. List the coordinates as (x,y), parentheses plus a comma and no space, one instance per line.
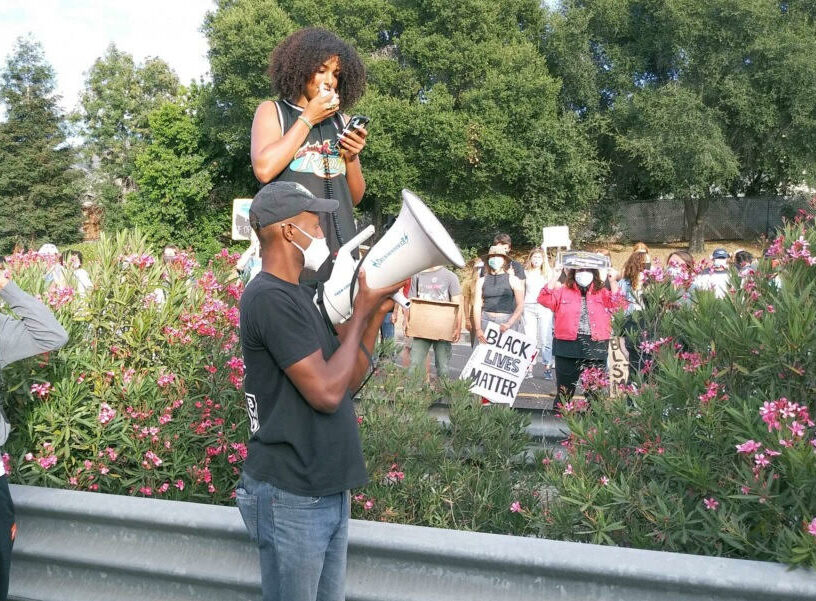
(499,295)
(468,291)
(318,77)
(538,320)
(583,309)
(631,284)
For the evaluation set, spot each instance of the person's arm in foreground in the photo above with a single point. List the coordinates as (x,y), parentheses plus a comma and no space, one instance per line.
(37,331)
(324,383)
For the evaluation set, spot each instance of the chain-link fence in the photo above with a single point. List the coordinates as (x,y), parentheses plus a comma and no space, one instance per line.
(726,219)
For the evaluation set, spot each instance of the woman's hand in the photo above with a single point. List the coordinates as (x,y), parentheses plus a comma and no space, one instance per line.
(353,143)
(504,327)
(480,336)
(321,107)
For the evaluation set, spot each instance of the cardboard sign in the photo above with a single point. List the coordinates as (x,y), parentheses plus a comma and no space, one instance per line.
(240,218)
(432,320)
(496,369)
(617,364)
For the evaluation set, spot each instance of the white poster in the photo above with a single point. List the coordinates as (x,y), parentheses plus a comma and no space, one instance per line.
(240,218)
(496,369)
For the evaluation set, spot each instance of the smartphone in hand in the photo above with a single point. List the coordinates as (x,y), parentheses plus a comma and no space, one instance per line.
(355,122)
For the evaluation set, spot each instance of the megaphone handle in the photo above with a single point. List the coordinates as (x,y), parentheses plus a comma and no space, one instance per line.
(353,285)
(401,299)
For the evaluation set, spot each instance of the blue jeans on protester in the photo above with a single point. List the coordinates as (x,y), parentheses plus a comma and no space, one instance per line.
(387,328)
(303,541)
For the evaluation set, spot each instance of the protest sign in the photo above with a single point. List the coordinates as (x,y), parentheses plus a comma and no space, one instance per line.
(617,364)
(240,218)
(496,369)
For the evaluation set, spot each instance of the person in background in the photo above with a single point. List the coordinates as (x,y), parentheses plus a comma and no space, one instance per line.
(504,241)
(435,284)
(317,77)
(631,284)
(743,261)
(538,320)
(499,295)
(74,260)
(717,277)
(36,331)
(468,290)
(56,274)
(583,310)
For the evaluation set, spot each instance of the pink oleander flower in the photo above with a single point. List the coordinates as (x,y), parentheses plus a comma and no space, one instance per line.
(515,507)
(41,390)
(165,379)
(106,413)
(761,460)
(745,489)
(211,368)
(604,480)
(594,378)
(59,296)
(163,488)
(142,261)
(797,429)
(179,484)
(812,527)
(47,461)
(748,447)
(711,503)
(153,458)
(146,491)
(569,471)
(368,505)
(6,463)
(29,456)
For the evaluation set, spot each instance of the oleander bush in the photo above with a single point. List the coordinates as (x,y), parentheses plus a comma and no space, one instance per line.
(711,449)
(145,398)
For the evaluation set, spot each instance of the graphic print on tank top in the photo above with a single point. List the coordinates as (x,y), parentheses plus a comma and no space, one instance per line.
(310,159)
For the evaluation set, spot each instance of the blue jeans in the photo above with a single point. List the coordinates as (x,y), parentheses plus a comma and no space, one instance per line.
(302,540)
(387,328)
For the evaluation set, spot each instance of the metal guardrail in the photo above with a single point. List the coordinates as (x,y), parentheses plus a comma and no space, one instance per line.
(78,546)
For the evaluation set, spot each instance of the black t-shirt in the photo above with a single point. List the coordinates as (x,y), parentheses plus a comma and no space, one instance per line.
(293,446)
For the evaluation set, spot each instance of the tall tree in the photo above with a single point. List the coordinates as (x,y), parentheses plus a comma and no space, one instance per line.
(118,96)
(463,108)
(39,186)
(172,172)
(750,63)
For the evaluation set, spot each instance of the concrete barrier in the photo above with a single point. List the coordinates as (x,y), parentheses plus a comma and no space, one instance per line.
(78,546)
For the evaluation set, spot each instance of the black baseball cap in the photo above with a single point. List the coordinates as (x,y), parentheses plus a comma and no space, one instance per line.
(277,201)
(720,253)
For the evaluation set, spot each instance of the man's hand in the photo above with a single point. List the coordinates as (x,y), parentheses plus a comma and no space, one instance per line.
(457,334)
(371,300)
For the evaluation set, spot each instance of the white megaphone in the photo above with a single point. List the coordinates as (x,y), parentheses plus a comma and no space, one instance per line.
(415,242)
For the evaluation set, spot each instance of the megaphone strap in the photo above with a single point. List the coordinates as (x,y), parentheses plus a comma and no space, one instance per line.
(322,306)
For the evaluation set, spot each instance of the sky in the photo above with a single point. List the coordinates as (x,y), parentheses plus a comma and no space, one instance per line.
(74,33)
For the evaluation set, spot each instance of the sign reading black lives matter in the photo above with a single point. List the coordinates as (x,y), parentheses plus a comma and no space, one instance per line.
(496,369)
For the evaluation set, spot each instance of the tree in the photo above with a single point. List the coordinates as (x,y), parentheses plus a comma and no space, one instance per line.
(39,186)
(749,62)
(113,120)
(674,148)
(172,173)
(464,110)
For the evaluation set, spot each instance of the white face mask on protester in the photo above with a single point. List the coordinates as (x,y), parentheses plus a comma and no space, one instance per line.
(315,254)
(583,278)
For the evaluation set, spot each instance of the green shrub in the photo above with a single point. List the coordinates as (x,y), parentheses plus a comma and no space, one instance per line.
(712,450)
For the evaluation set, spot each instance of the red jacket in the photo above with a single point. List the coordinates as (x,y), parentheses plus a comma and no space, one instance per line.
(565,303)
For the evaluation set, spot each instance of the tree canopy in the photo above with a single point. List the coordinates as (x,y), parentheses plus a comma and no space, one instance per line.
(39,186)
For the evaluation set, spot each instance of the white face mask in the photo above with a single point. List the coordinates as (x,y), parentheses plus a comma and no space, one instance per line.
(583,278)
(496,263)
(536,262)
(315,254)
(721,263)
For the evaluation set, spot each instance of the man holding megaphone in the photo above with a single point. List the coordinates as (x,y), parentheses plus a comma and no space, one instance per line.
(304,452)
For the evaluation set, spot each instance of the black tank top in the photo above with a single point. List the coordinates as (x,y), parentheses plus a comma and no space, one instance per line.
(497,294)
(318,166)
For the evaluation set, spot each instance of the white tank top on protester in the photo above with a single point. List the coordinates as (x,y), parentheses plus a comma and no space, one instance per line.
(535,282)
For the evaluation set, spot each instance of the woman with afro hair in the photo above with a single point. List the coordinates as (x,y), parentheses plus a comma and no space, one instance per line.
(317,77)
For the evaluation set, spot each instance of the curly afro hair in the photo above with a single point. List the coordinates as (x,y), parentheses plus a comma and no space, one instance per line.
(298,57)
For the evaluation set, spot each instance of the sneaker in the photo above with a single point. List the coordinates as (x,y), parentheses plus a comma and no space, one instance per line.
(529,375)
(548,374)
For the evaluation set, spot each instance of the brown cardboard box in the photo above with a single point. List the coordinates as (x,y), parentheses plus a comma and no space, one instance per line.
(434,320)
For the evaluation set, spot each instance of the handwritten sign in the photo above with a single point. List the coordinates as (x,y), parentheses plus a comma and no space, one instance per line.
(240,218)
(617,363)
(496,369)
